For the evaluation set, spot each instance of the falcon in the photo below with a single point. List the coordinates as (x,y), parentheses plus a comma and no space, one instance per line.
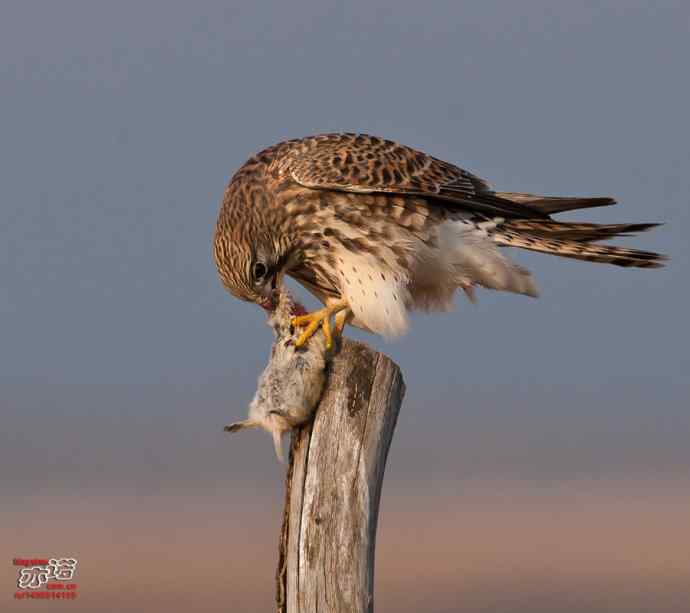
(375,229)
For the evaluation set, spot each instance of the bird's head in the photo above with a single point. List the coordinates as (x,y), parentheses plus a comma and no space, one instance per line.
(250,271)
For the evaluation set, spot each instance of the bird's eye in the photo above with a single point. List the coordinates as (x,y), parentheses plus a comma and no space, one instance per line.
(259,271)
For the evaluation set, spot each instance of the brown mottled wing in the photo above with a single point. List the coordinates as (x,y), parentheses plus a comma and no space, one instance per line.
(366,164)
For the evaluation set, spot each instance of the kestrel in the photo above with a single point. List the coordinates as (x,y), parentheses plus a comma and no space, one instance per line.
(375,229)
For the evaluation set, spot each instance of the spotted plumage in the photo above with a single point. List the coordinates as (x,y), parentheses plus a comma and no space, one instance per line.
(380,229)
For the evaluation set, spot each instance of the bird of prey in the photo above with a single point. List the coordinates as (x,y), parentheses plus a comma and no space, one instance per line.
(375,229)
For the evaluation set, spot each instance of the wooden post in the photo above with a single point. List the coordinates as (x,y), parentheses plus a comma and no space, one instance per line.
(333,486)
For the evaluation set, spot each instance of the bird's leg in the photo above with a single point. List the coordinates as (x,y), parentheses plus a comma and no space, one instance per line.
(320,318)
(326,327)
(342,318)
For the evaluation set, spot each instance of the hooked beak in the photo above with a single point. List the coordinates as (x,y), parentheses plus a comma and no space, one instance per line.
(270,301)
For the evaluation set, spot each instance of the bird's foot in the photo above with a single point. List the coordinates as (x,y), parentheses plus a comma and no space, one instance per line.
(322,319)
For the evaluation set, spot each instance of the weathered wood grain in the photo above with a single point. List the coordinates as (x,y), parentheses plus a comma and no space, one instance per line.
(333,486)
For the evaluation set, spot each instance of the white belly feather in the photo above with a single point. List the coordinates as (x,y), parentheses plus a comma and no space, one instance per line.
(380,292)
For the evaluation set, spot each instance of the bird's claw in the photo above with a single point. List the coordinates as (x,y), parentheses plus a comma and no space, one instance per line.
(312,322)
(318,319)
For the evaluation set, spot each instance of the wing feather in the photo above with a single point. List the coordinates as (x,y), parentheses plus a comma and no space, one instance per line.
(368,164)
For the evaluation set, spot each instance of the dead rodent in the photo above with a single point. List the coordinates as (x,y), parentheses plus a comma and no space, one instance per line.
(290,386)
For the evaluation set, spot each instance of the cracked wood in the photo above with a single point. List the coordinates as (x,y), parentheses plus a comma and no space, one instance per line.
(333,486)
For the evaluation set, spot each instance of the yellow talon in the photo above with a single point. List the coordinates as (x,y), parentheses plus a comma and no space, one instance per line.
(341,320)
(327,333)
(309,332)
(322,319)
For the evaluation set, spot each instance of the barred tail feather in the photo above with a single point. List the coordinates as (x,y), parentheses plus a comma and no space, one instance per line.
(585,232)
(606,254)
